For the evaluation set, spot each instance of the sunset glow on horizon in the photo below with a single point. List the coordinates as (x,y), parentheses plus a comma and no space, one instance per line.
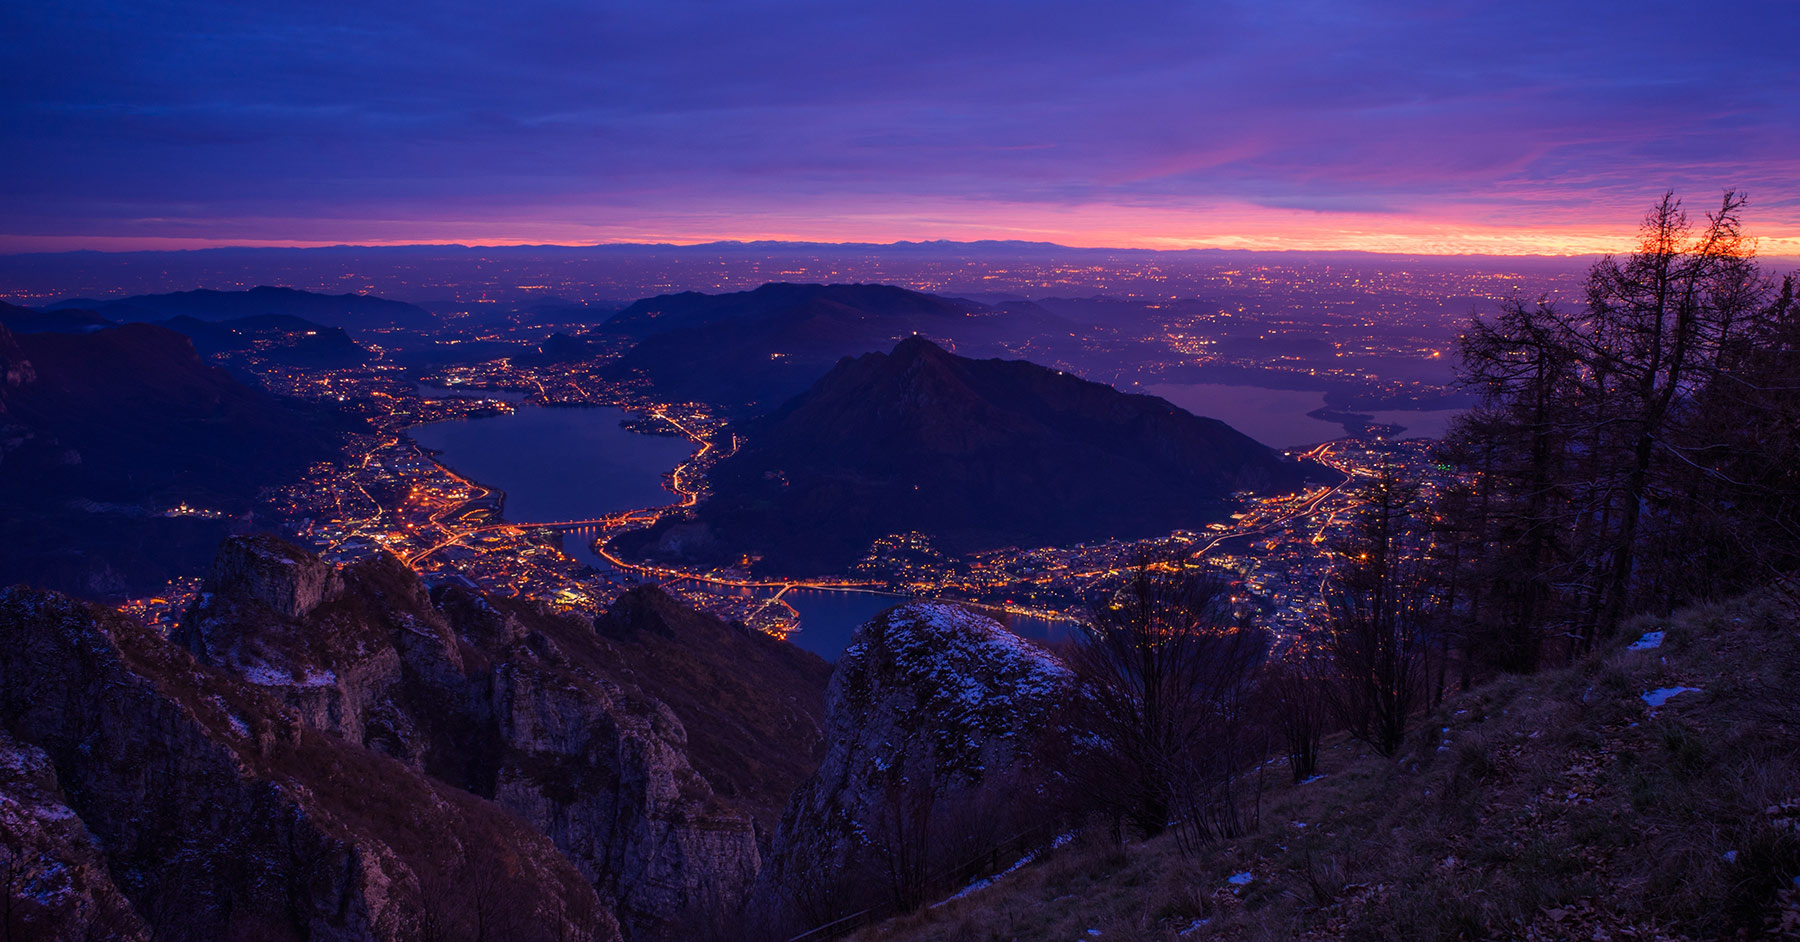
(1415,127)
(1097,228)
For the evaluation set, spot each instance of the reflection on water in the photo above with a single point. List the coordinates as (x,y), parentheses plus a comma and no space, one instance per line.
(828,619)
(559,463)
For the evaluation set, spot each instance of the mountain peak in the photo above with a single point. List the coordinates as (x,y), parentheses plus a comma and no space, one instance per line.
(969,451)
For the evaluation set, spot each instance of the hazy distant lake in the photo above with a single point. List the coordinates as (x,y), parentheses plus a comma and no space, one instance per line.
(1278,417)
(559,463)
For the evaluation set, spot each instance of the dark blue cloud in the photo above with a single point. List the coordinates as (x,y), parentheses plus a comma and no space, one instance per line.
(258,120)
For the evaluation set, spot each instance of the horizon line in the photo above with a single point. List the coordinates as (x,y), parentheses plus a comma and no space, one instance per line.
(898,243)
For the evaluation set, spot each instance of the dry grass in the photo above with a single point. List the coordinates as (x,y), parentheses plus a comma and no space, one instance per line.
(1546,807)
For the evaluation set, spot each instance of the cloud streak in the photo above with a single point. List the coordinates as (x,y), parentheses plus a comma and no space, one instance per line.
(1420,126)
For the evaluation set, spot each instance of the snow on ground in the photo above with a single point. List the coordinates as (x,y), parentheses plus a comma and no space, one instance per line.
(281,677)
(1661,695)
(985,882)
(1651,639)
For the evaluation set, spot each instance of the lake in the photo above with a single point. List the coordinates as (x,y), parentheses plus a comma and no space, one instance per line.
(1278,417)
(575,463)
(559,462)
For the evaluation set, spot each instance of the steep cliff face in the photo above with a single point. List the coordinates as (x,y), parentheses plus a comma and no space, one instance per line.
(933,713)
(221,815)
(506,701)
(52,873)
(753,706)
(360,652)
(603,771)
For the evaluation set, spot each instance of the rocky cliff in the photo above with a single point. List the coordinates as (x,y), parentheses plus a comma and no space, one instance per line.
(15,370)
(320,752)
(220,813)
(52,872)
(934,718)
(526,709)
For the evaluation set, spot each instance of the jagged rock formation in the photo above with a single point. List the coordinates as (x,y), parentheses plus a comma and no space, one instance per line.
(52,874)
(753,706)
(15,370)
(514,705)
(934,715)
(222,815)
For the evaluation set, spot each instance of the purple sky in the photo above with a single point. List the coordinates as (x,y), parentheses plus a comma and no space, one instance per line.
(1440,126)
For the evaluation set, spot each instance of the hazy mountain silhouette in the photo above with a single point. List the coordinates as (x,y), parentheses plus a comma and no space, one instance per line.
(351,311)
(26,320)
(752,350)
(282,338)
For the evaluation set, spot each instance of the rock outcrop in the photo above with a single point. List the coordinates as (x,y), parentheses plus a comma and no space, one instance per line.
(934,718)
(51,871)
(221,815)
(324,752)
(538,713)
(753,706)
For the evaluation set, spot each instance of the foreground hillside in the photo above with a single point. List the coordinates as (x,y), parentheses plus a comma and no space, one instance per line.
(1559,806)
(335,753)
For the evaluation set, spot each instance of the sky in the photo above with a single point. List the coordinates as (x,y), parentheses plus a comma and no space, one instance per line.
(1444,126)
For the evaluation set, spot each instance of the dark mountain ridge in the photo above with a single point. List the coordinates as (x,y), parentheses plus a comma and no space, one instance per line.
(350,311)
(978,453)
(26,320)
(106,429)
(282,338)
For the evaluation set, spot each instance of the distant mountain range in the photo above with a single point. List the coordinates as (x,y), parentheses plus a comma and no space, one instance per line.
(978,453)
(351,311)
(753,350)
(998,248)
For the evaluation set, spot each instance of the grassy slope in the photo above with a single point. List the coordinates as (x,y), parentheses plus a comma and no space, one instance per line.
(1558,806)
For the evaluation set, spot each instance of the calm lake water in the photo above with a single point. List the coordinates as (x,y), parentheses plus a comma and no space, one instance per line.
(560,463)
(1278,417)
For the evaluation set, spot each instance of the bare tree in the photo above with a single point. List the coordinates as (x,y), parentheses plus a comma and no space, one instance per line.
(1164,669)
(1377,618)
(1631,455)
(1294,689)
